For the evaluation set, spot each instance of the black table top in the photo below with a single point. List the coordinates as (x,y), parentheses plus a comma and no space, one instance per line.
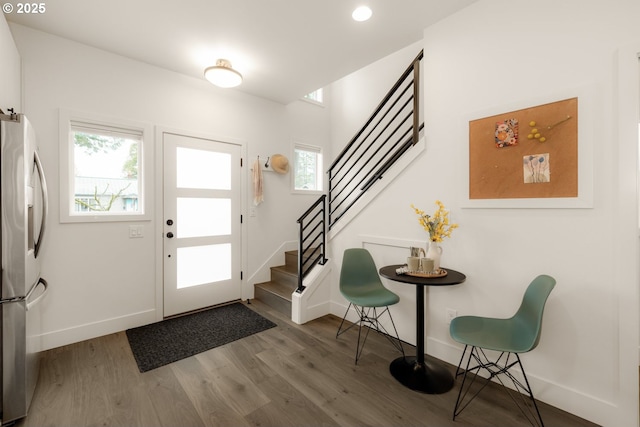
(452,278)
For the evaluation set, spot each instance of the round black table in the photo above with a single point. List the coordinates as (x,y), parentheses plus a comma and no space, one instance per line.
(415,372)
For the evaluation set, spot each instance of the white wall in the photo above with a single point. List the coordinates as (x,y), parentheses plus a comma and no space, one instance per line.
(496,54)
(587,360)
(102,281)
(9,70)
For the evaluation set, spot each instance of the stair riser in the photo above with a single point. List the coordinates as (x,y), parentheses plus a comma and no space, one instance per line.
(278,303)
(284,278)
(291,259)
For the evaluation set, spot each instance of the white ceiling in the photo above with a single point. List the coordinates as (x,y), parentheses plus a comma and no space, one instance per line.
(284,48)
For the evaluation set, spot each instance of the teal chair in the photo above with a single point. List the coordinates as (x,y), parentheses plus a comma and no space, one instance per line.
(360,284)
(509,337)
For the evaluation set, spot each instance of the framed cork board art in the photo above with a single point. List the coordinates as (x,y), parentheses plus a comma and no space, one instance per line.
(533,156)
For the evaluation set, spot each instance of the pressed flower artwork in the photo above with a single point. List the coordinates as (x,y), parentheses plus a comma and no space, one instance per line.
(536,168)
(506,133)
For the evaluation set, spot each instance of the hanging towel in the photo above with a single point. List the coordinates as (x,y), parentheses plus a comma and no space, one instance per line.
(258,197)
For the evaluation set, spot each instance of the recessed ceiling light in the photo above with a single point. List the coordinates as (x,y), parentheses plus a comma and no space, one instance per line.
(362,13)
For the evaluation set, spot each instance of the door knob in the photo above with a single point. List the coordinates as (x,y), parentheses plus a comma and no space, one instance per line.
(169,222)
(170,235)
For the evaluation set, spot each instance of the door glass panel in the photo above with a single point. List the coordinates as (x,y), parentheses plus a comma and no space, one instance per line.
(197,217)
(199,265)
(203,169)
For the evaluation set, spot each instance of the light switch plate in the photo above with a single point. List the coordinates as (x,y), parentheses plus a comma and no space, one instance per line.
(135,231)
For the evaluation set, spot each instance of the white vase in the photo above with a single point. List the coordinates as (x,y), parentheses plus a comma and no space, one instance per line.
(435,253)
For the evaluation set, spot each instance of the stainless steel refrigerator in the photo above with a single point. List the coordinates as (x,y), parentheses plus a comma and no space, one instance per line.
(23,207)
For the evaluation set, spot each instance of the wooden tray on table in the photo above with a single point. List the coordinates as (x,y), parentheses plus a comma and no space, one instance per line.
(437,273)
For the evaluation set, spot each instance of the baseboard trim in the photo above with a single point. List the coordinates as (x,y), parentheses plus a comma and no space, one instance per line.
(586,406)
(87,331)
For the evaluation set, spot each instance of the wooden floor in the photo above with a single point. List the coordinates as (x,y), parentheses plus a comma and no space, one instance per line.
(290,375)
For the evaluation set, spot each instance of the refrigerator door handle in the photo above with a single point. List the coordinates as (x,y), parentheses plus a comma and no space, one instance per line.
(26,298)
(45,203)
(42,282)
(10,300)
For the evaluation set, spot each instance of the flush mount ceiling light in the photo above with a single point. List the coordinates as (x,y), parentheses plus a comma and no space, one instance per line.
(222,74)
(361,13)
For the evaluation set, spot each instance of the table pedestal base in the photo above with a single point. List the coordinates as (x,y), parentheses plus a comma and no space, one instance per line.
(427,378)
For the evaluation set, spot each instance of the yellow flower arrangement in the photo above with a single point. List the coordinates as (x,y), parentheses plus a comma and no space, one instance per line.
(438,225)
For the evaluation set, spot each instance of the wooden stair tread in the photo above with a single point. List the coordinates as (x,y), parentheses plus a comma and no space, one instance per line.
(277,292)
(282,290)
(306,254)
(287,269)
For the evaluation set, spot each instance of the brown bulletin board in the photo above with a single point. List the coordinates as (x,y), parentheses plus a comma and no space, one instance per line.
(509,158)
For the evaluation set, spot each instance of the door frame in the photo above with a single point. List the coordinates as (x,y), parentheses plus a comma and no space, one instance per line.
(158,213)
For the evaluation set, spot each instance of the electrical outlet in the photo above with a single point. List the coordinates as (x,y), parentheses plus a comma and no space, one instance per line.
(451,314)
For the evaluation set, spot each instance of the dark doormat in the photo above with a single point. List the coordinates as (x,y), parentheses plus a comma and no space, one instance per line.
(164,342)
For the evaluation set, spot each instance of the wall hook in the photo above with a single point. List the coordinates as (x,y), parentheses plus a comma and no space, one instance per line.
(266,165)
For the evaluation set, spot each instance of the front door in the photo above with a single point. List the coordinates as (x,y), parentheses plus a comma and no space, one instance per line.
(202,223)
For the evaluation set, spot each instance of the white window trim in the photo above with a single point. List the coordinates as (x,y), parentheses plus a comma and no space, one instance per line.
(66,117)
(313,101)
(308,147)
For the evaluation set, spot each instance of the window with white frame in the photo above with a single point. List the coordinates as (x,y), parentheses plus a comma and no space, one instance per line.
(102,170)
(307,168)
(316,96)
